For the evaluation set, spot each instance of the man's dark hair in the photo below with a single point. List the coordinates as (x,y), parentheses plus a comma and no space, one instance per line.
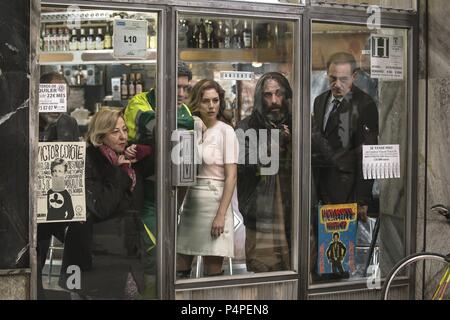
(336,234)
(184,71)
(58,162)
(54,76)
(342,57)
(49,77)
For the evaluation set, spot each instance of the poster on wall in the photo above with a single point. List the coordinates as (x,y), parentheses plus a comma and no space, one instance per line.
(60,182)
(386,58)
(337,240)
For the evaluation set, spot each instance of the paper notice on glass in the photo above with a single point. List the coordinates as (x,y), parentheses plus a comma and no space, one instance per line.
(237,75)
(381,162)
(386,60)
(52,97)
(130,38)
(60,190)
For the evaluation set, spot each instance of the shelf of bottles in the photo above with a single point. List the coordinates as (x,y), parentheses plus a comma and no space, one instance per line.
(239,40)
(86,37)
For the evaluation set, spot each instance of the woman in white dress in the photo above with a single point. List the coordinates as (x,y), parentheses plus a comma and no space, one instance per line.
(206,221)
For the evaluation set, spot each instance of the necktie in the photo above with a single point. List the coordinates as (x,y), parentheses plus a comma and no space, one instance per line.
(336,104)
(333,114)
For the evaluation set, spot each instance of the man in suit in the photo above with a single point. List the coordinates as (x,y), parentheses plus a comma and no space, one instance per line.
(345,118)
(265,199)
(336,253)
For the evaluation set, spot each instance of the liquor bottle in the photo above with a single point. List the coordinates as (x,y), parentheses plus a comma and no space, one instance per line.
(108,37)
(247,36)
(220,35)
(153,37)
(193,40)
(201,35)
(66,40)
(236,41)
(183,34)
(269,37)
(52,40)
(59,40)
(189,34)
(276,36)
(41,40)
(131,86)
(82,44)
(124,87)
(90,40)
(74,43)
(99,40)
(210,36)
(227,39)
(47,40)
(139,85)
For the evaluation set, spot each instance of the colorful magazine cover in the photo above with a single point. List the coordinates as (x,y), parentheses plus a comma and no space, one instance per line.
(337,240)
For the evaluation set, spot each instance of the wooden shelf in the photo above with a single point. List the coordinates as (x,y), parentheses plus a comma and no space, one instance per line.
(234,55)
(91,57)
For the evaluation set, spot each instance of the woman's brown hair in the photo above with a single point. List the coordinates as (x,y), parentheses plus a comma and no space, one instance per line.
(196,96)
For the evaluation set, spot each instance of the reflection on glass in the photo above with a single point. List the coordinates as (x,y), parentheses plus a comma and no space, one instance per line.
(251,59)
(353,105)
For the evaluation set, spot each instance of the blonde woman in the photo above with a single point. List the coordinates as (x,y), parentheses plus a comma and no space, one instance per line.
(111,192)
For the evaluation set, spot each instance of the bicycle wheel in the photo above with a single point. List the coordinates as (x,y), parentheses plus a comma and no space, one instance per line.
(437,277)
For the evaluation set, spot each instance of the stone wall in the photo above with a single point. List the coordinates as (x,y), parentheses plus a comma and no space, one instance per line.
(436,229)
(15,145)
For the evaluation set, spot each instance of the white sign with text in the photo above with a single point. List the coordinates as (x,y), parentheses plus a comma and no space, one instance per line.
(236,75)
(381,162)
(130,38)
(387,57)
(52,97)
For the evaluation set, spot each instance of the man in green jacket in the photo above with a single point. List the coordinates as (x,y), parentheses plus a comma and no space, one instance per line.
(140,117)
(140,109)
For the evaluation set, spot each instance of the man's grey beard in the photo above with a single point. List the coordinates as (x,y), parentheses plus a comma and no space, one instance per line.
(275,117)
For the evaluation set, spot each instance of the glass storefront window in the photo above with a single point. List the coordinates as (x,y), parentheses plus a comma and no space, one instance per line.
(359,91)
(102,246)
(251,60)
(395,4)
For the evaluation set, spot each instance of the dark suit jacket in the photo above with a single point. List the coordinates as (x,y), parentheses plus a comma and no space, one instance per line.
(337,152)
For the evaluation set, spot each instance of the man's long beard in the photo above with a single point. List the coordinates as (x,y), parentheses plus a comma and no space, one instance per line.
(276,118)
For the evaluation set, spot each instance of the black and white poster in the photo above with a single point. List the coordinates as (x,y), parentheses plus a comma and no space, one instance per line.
(60,182)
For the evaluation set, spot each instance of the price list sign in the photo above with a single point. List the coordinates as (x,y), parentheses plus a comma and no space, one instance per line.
(52,97)
(130,38)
